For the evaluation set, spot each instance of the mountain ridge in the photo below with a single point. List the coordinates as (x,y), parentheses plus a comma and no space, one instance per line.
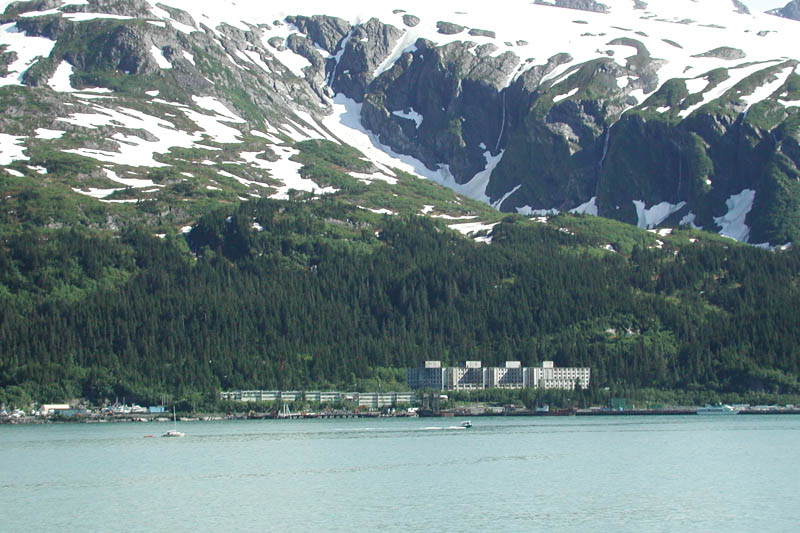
(534,123)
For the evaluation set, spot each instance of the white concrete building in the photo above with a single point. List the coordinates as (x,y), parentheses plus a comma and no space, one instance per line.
(428,376)
(362,399)
(50,409)
(250,395)
(549,377)
(510,376)
(472,376)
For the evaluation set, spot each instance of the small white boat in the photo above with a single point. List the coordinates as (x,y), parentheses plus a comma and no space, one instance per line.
(174,431)
(466,424)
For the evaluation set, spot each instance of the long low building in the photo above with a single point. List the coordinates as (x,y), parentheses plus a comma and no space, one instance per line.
(362,399)
(473,376)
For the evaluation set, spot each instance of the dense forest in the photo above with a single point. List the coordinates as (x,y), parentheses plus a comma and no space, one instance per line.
(293,294)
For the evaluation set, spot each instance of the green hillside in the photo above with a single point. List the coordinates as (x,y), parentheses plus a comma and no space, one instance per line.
(295,294)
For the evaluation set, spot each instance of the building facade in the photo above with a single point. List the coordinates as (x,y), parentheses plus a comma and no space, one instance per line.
(473,376)
(428,376)
(510,376)
(251,395)
(362,399)
(549,377)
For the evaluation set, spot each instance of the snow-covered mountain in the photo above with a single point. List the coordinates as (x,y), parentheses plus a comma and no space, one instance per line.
(662,112)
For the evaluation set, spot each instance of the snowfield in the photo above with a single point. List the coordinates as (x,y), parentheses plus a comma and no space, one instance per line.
(11,149)
(733,222)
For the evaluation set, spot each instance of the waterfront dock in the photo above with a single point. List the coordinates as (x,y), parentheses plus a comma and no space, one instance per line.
(399,413)
(635,412)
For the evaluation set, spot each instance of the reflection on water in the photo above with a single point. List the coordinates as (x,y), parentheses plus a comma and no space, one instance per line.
(513,474)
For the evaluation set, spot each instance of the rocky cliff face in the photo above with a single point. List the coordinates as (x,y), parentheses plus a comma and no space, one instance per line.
(442,104)
(454,106)
(789,11)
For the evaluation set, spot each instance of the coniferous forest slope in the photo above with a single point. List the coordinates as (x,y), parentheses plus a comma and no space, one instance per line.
(199,196)
(294,294)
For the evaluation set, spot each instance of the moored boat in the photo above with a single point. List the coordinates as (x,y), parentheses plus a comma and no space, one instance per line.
(174,431)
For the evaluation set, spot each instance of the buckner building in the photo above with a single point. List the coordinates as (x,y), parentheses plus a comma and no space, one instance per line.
(473,376)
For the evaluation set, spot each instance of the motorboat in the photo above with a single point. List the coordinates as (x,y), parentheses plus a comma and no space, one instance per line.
(466,424)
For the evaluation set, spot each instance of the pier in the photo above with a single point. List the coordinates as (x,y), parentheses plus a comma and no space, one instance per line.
(635,412)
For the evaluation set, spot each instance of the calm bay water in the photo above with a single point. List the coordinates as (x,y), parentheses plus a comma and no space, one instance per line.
(691,473)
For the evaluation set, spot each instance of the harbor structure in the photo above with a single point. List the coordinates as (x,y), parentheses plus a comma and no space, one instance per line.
(50,409)
(512,375)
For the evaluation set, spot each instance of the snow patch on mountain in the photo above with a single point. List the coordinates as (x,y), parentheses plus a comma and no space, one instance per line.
(28,50)
(11,149)
(649,218)
(499,203)
(733,222)
(469,228)
(210,103)
(298,132)
(736,74)
(288,172)
(283,170)
(376,176)
(84,17)
(96,193)
(243,181)
(165,16)
(765,91)
(47,134)
(315,130)
(345,123)
(566,95)
(696,85)
(60,80)
(531,212)
(410,115)
(158,56)
(546,30)
(588,208)
(133,150)
(135,183)
(688,220)
(32,14)
(475,188)
(213,127)
(271,138)
(381,211)
(292,61)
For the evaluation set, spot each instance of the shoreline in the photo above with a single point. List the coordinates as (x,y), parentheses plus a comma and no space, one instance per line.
(461,413)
